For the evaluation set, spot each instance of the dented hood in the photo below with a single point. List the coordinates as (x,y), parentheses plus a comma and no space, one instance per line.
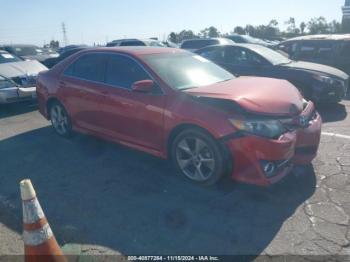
(256,94)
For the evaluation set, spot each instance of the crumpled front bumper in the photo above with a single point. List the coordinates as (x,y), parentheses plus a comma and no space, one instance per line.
(250,153)
(17,94)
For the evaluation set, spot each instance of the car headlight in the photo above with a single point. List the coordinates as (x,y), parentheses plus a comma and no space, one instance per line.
(5,83)
(326,79)
(267,128)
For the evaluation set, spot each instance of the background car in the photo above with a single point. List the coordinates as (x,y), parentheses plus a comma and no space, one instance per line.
(198,43)
(17,78)
(135,42)
(69,47)
(332,50)
(246,39)
(52,61)
(29,52)
(317,82)
(175,104)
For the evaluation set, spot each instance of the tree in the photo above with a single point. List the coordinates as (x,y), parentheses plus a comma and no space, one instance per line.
(239,30)
(185,35)
(292,29)
(273,23)
(54,44)
(173,37)
(302,27)
(318,26)
(210,32)
(335,27)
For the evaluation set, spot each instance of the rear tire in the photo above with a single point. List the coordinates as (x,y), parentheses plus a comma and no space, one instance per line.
(198,157)
(60,120)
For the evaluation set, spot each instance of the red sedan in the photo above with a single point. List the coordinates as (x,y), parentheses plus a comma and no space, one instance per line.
(175,104)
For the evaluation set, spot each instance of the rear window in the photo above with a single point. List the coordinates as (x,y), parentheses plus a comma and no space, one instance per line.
(197,44)
(307,50)
(132,43)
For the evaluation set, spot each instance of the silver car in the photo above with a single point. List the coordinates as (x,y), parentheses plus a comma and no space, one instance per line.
(17,78)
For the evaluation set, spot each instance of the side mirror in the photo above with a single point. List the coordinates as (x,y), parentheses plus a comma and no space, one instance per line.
(143,86)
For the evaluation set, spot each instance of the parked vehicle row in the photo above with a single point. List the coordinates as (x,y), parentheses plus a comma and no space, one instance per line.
(30,52)
(316,82)
(178,105)
(332,50)
(17,78)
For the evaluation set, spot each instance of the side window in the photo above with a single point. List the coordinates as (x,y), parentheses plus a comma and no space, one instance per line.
(345,51)
(240,56)
(89,67)
(214,54)
(307,50)
(123,72)
(325,50)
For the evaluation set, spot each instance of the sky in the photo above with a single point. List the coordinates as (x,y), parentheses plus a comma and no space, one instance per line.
(88,21)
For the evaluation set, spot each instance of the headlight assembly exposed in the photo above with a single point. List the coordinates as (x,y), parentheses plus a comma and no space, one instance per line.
(265,128)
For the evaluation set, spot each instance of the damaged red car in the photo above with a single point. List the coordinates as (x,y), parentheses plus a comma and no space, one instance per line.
(177,105)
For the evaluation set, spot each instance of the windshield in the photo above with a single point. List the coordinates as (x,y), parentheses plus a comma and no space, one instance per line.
(272,56)
(186,70)
(27,50)
(8,58)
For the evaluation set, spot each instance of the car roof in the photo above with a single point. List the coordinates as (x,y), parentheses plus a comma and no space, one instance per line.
(205,39)
(249,46)
(135,50)
(322,37)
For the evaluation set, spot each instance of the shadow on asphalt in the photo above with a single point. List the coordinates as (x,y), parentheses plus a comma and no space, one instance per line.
(8,110)
(332,112)
(94,192)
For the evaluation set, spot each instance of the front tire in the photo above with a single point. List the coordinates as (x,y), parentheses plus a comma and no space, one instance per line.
(198,157)
(60,120)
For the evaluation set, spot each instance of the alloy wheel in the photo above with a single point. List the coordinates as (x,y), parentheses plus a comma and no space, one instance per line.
(195,158)
(59,119)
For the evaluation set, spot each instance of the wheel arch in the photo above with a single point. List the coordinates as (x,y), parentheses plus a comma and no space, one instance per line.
(181,127)
(49,103)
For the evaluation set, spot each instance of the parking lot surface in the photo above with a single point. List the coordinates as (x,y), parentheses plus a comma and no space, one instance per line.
(104,198)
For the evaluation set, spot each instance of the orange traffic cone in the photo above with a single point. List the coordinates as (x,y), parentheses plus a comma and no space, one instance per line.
(39,242)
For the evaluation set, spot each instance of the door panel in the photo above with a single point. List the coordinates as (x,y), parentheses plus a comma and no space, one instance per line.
(132,117)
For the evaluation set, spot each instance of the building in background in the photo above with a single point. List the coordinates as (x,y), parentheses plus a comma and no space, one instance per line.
(346,16)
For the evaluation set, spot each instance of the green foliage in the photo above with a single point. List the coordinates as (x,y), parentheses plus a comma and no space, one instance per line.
(210,32)
(318,25)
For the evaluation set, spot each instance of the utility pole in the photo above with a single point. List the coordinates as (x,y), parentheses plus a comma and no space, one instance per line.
(64,32)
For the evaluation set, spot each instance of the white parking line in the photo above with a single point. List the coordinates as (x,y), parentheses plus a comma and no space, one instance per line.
(335,135)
